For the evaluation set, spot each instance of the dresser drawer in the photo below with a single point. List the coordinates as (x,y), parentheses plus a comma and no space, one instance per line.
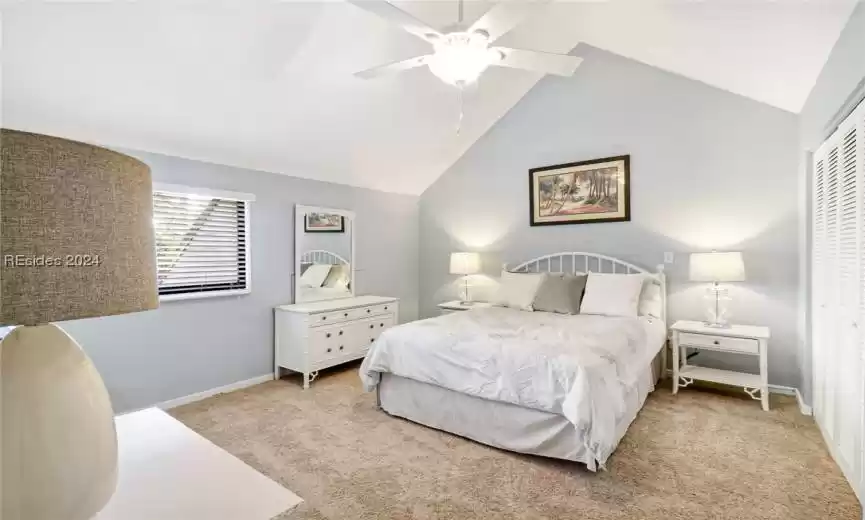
(743,345)
(325,343)
(329,318)
(376,310)
(369,330)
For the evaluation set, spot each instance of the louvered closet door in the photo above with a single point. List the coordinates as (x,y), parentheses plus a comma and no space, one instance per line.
(848,361)
(819,314)
(859,117)
(838,293)
(830,286)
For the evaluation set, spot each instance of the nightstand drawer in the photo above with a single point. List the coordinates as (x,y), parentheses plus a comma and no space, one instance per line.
(744,345)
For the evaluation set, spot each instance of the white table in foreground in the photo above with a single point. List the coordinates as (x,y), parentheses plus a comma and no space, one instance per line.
(169,472)
(736,339)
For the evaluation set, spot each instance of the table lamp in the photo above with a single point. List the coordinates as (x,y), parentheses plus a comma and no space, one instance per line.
(465,264)
(76,239)
(716,268)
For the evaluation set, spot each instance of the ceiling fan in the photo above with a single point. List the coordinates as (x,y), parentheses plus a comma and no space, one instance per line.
(461,54)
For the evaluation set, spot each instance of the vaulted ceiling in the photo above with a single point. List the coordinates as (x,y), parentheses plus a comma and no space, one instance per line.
(269,85)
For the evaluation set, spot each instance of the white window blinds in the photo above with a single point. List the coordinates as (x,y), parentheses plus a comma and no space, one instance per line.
(201,243)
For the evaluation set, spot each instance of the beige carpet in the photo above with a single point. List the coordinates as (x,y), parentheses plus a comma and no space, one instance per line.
(699,455)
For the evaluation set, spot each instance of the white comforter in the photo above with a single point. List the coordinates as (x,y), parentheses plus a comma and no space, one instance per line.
(579,367)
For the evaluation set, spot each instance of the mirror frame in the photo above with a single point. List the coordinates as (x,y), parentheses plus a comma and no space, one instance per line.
(300,212)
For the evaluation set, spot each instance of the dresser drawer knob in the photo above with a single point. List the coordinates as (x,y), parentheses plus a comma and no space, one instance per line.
(385,307)
(329,349)
(341,347)
(367,311)
(371,325)
(323,318)
(327,335)
(340,333)
(381,324)
(346,314)
(716,342)
(371,340)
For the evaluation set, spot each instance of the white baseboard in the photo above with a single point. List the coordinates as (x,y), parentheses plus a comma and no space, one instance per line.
(240,385)
(789,390)
(804,408)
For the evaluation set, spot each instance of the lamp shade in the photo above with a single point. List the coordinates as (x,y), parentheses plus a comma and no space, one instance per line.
(465,263)
(717,267)
(76,231)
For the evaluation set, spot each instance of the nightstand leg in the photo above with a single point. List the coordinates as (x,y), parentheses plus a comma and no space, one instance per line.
(764,375)
(664,362)
(675,363)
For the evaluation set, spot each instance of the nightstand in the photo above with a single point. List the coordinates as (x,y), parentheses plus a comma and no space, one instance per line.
(456,306)
(737,339)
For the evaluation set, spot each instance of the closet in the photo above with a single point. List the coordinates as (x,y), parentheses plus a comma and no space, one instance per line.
(838,293)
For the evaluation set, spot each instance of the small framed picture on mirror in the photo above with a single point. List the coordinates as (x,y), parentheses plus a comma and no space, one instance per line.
(324,223)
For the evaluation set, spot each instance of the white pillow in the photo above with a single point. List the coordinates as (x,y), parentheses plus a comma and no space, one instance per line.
(338,277)
(518,290)
(612,294)
(315,275)
(650,299)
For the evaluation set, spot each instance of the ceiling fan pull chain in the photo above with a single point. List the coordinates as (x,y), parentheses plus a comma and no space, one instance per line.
(462,104)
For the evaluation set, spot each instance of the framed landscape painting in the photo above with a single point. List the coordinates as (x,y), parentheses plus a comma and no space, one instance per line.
(324,223)
(582,192)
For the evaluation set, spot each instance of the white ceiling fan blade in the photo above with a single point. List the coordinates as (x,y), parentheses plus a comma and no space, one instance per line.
(392,68)
(504,16)
(546,62)
(399,17)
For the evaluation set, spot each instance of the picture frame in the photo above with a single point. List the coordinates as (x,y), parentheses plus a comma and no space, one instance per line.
(584,192)
(323,223)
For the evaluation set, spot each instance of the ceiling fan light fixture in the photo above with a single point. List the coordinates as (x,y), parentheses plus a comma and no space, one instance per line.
(460,58)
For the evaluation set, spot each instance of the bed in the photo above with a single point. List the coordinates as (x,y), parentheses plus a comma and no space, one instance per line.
(561,386)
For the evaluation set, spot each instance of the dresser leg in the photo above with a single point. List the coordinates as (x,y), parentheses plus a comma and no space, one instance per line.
(675,364)
(306,380)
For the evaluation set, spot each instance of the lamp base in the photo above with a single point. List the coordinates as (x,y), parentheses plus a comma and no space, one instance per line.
(59,445)
(717,299)
(717,325)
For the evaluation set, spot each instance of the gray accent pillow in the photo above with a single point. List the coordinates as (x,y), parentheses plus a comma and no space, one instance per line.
(560,293)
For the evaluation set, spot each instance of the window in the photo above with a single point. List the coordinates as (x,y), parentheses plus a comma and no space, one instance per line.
(202,242)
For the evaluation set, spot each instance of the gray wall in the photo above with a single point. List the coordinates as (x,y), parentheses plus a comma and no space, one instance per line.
(190,346)
(709,169)
(842,72)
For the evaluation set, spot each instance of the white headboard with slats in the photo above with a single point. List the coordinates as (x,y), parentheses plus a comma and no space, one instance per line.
(320,256)
(582,263)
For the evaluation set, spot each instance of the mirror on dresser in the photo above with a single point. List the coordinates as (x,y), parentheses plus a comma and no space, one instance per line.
(323,254)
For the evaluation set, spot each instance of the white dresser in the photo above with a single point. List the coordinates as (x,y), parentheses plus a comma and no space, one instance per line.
(315,335)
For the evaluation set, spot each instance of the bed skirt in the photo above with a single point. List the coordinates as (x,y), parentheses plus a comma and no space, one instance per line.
(503,425)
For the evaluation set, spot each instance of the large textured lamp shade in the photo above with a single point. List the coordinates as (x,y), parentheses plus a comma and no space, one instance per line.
(76,241)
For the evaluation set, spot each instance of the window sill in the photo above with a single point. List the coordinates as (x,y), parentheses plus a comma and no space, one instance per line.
(201,295)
